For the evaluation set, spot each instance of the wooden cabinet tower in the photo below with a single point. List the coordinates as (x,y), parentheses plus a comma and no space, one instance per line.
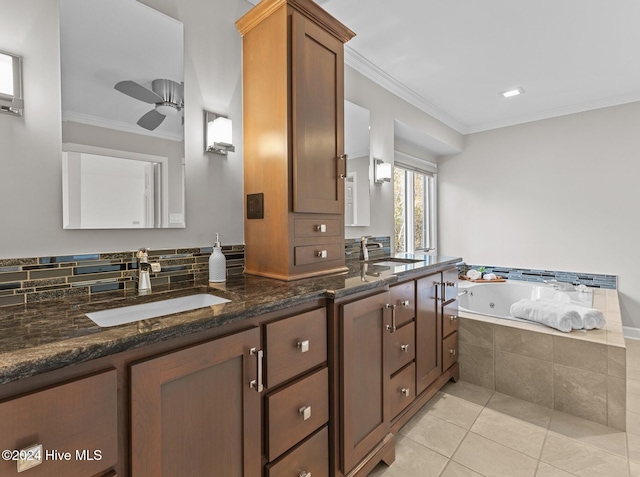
(294,163)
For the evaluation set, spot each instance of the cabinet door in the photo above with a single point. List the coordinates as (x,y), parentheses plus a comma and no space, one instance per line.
(318,119)
(428,333)
(365,413)
(193,411)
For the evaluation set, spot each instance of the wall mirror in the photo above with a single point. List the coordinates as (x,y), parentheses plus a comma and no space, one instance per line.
(356,145)
(122,76)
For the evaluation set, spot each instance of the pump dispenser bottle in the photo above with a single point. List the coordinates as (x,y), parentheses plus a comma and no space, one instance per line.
(217,263)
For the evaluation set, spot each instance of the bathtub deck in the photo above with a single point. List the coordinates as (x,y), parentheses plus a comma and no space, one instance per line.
(581,373)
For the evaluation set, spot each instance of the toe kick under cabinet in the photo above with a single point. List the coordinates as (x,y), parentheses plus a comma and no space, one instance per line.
(394,350)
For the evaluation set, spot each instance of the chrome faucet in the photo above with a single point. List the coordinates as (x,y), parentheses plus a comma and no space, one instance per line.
(558,285)
(364,247)
(144,267)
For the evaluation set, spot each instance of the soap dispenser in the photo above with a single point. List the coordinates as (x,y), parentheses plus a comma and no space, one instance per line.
(217,263)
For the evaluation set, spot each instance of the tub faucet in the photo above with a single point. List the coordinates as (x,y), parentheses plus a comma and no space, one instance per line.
(558,285)
(364,247)
(144,267)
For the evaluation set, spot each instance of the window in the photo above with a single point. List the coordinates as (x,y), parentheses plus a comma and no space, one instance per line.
(10,84)
(414,209)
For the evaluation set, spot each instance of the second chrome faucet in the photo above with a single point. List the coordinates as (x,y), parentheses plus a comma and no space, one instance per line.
(144,269)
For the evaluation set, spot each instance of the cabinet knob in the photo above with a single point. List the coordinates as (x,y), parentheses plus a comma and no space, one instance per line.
(321,228)
(405,303)
(405,392)
(304,473)
(452,351)
(303,346)
(321,254)
(343,176)
(25,458)
(405,348)
(305,412)
(453,317)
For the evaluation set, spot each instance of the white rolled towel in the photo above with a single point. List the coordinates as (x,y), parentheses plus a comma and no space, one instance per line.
(590,317)
(473,274)
(490,276)
(554,314)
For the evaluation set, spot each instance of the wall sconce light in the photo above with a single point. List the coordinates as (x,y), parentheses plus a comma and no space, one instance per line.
(381,171)
(11,84)
(218,134)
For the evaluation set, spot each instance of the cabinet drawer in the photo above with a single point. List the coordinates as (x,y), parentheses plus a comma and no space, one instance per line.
(449,318)
(309,458)
(402,389)
(404,298)
(295,345)
(450,284)
(402,348)
(308,254)
(81,415)
(296,411)
(449,351)
(317,227)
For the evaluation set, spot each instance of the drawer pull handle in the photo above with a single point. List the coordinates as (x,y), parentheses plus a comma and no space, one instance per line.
(453,317)
(321,254)
(452,351)
(303,346)
(257,383)
(405,392)
(450,284)
(405,348)
(304,473)
(321,228)
(391,328)
(28,457)
(305,412)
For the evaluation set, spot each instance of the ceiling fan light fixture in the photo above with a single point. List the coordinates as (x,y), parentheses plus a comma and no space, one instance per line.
(168,109)
(510,93)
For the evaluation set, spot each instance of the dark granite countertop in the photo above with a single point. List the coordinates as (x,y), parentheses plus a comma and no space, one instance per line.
(44,336)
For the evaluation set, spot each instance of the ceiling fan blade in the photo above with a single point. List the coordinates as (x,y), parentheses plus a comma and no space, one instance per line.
(151,120)
(137,91)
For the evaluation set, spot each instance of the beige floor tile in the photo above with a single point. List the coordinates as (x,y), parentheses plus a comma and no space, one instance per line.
(588,432)
(633,387)
(633,445)
(633,401)
(617,361)
(511,432)
(633,423)
(492,459)
(453,469)
(468,391)
(546,470)
(581,459)
(634,469)
(380,471)
(434,433)
(523,410)
(415,460)
(633,372)
(452,409)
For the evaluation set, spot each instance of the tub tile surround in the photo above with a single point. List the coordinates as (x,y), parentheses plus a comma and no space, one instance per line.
(27,280)
(581,373)
(593,280)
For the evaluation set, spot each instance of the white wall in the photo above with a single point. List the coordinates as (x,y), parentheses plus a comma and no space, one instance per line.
(558,194)
(30,147)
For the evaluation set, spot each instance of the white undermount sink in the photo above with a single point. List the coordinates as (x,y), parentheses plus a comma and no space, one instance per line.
(129,314)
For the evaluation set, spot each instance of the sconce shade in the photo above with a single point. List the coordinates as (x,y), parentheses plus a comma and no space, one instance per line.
(219,135)
(11,84)
(381,171)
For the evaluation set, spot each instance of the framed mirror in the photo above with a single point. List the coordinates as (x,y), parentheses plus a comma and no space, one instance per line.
(122,77)
(356,144)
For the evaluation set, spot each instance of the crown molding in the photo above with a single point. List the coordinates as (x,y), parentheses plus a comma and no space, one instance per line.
(118,126)
(363,66)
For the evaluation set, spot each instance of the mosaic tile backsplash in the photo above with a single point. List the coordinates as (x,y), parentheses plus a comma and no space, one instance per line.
(532,275)
(26,280)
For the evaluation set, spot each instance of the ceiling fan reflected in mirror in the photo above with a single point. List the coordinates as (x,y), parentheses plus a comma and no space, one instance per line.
(166,95)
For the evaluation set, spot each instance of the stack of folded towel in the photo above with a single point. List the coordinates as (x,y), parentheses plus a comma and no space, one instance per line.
(561,316)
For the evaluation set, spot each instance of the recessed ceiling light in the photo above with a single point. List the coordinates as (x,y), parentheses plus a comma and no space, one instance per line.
(511,92)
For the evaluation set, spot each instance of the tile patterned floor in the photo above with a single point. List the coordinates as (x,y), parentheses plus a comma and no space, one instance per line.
(470,431)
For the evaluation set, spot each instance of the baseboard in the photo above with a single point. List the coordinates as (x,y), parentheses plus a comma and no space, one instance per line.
(631,333)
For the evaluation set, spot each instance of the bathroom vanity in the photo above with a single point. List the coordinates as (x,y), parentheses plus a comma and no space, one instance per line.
(269,383)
